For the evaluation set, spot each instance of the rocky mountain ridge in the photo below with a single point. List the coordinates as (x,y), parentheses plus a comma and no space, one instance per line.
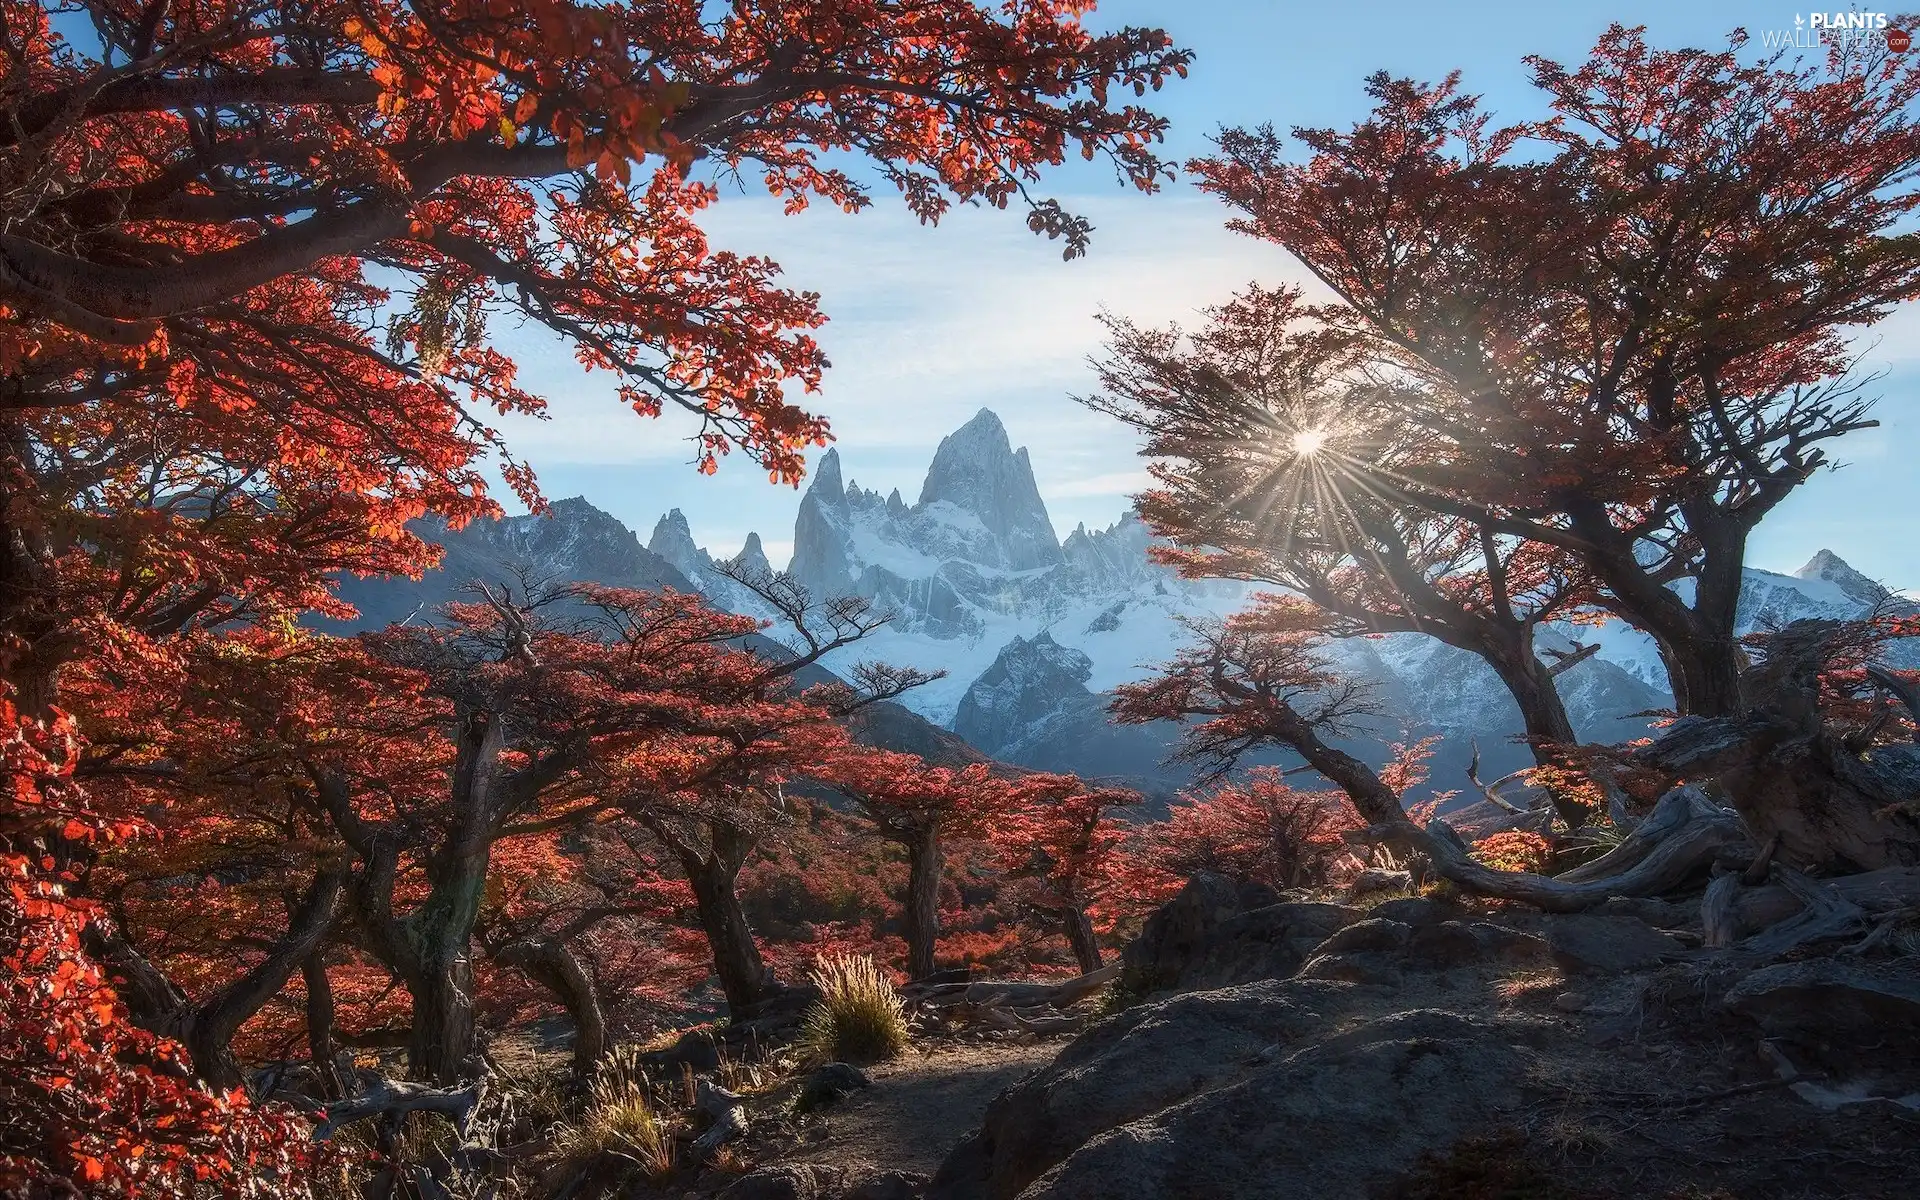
(1034,631)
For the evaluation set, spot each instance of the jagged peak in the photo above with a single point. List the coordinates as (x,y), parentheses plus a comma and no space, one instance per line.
(826,478)
(753,555)
(896,507)
(673,540)
(576,507)
(1830,567)
(977,471)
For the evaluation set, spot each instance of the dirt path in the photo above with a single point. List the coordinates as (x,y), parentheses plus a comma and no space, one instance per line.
(921,1106)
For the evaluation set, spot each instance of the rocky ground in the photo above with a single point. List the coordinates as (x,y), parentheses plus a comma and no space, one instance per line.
(1421,1048)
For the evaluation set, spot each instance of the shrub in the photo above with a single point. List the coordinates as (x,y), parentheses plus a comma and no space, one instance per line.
(1261,829)
(1515,850)
(859,1017)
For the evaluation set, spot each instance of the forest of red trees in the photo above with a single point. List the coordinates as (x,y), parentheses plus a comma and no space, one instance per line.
(248,259)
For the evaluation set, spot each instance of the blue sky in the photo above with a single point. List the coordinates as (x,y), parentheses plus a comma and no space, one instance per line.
(929,325)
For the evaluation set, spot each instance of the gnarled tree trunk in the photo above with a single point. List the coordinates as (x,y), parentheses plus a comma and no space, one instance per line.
(438,969)
(321,1051)
(1832,807)
(207,1029)
(713,871)
(550,963)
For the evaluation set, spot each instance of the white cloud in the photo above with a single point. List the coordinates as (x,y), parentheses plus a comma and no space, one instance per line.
(1114,483)
(928,325)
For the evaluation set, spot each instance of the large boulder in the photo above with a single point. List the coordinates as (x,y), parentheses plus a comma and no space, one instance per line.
(828,1083)
(789,1181)
(1219,932)
(1320,1114)
(1832,999)
(1609,945)
(1131,1066)
(1379,950)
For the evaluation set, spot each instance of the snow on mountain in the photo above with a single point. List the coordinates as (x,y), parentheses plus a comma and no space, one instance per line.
(574,542)
(672,540)
(1033,631)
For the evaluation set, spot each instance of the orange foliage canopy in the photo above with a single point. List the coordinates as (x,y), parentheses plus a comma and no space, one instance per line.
(89,1099)
(1620,332)
(212,209)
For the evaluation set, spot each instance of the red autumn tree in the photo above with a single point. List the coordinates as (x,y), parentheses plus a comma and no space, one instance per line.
(200,417)
(1258,679)
(249,883)
(1617,333)
(641,706)
(94,1105)
(1059,845)
(720,790)
(1261,828)
(922,809)
(202,198)
(1266,430)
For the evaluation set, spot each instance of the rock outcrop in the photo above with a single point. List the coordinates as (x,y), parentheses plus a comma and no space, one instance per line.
(1253,1091)
(1218,931)
(1412,1050)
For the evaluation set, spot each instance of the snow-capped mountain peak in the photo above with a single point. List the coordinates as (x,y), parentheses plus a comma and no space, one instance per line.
(977,471)
(1033,632)
(672,540)
(1829,567)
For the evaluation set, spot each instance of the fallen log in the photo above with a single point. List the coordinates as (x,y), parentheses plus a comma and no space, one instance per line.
(392,1096)
(1013,993)
(728,1112)
(1037,1023)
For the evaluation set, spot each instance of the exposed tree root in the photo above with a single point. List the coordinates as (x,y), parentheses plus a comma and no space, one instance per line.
(388,1097)
(1683,836)
(1734,914)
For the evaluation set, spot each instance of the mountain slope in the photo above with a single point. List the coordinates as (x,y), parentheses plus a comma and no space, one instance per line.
(574,542)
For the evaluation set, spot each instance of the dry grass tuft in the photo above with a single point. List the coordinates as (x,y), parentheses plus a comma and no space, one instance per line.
(1523,986)
(859,1017)
(618,1119)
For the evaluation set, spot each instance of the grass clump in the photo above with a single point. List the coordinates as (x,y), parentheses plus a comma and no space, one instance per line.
(859,1017)
(618,1119)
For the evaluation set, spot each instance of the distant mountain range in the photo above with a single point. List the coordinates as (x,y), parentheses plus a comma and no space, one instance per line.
(1033,631)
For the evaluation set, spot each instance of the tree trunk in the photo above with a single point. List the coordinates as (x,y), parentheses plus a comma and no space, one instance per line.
(438,969)
(1709,669)
(1086,948)
(744,977)
(926,862)
(550,963)
(321,1051)
(1696,641)
(1542,713)
(207,1029)
(32,644)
